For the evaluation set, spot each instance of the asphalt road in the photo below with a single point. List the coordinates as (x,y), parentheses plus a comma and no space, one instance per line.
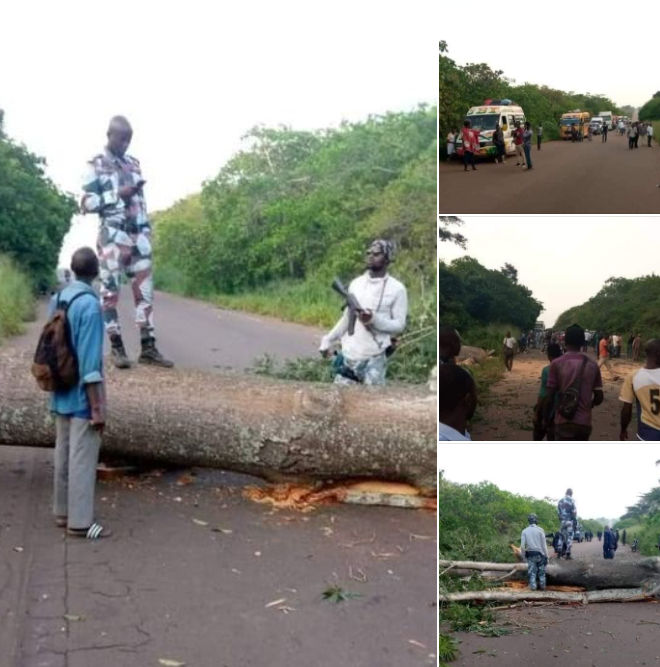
(587,177)
(190,571)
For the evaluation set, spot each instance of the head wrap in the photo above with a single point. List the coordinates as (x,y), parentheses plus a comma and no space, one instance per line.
(386,247)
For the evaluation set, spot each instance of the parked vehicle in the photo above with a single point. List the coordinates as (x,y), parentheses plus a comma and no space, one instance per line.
(607,119)
(596,125)
(577,118)
(485,117)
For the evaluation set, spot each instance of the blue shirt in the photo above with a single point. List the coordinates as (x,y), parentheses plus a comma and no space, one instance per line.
(86,324)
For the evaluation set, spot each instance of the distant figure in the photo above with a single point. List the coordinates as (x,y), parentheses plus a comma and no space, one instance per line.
(642,389)
(609,543)
(518,133)
(576,381)
(623,537)
(449,345)
(604,356)
(470,145)
(603,136)
(649,134)
(539,134)
(457,401)
(599,534)
(567,513)
(527,144)
(498,142)
(636,347)
(509,347)
(535,551)
(451,144)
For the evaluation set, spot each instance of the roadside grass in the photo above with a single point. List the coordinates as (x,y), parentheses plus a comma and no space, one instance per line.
(16,299)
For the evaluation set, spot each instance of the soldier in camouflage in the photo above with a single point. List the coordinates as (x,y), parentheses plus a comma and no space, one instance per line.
(535,550)
(113,188)
(567,519)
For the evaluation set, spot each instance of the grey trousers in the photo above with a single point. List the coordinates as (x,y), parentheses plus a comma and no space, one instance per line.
(76,456)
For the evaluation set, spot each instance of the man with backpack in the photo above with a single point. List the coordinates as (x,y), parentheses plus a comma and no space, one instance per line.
(576,381)
(78,402)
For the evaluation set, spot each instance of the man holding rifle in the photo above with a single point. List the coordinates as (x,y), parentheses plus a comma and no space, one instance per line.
(376,309)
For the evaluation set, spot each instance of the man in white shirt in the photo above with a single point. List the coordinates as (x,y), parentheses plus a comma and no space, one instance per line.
(509,343)
(383,311)
(535,550)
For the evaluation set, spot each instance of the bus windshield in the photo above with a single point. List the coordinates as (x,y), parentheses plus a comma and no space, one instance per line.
(569,121)
(483,121)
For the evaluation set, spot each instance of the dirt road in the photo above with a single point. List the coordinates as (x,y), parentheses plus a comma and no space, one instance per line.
(196,573)
(595,635)
(508,412)
(587,177)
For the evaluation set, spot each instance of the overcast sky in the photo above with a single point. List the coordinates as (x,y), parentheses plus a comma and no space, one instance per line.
(606,477)
(563,259)
(597,48)
(194,76)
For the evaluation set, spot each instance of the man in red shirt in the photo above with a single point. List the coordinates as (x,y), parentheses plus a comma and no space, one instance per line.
(470,144)
(604,356)
(574,372)
(518,133)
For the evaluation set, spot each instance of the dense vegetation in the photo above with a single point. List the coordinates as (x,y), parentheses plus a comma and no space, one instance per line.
(642,520)
(481,303)
(623,305)
(461,87)
(34,214)
(651,110)
(480,521)
(16,298)
(295,208)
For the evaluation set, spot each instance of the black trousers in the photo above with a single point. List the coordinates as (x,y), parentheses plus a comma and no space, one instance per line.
(468,158)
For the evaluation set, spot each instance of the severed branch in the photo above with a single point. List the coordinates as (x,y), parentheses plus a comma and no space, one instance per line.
(503,595)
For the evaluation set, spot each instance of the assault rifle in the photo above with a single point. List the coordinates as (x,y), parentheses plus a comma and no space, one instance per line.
(352,304)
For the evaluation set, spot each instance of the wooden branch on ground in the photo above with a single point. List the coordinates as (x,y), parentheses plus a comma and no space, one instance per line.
(504,595)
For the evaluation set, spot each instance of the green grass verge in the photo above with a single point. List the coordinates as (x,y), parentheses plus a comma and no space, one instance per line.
(16,299)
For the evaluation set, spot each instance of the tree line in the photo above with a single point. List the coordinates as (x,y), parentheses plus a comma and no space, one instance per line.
(623,305)
(34,214)
(643,521)
(464,86)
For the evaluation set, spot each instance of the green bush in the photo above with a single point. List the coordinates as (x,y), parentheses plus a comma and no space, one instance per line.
(16,298)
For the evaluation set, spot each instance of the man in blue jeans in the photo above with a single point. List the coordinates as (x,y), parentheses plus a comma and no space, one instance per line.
(80,410)
(527,144)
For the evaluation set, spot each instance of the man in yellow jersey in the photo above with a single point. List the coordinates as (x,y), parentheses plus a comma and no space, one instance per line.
(643,388)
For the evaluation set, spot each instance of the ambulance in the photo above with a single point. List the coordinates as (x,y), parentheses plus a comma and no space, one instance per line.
(484,119)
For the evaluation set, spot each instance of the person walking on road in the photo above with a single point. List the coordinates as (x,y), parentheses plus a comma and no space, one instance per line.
(636,347)
(641,133)
(470,145)
(649,134)
(80,410)
(642,389)
(609,543)
(451,144)
(604,356)
(518,133)
(603,135)
(384,309)
(498,142)
(632,135)
(576,381)
(567,514)
(539,134)
(535,550)
(527,144)
(113,188)
(544,416)
(509,347)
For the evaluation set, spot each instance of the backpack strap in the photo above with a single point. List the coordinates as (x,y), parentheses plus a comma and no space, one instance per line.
(67,304)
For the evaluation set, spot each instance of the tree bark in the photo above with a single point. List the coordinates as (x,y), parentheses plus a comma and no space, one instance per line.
(503,595)
(274,429)
(605,574)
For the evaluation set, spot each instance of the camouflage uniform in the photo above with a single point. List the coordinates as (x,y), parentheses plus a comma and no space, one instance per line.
(536,568)
(124,241)
(567,516)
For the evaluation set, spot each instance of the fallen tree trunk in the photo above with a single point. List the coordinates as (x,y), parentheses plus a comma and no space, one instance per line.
(502,595)
(592,575)
(273,429)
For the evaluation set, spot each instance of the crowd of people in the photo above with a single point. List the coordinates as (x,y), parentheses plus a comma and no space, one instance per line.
(571,385)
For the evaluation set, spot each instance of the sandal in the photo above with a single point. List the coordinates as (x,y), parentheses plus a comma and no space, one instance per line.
(94,532)
(61,521)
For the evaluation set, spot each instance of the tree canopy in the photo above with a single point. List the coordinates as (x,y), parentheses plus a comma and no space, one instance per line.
(461,87)
(623,305)
(34,214)
(651,109)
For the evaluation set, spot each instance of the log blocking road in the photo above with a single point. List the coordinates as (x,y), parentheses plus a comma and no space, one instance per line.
(189,572)
(577,178)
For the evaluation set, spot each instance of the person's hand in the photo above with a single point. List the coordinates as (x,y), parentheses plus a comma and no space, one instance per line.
(97,419)
(365,316)
(325,353)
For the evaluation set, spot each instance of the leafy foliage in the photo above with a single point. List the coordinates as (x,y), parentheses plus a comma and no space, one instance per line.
(623,305)
(16,299)
(293,209)
(461,87)
(643,521)
(651,109)
(34,214)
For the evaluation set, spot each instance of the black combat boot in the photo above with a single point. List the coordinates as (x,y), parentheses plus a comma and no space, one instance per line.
(151,355)
(118,351)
